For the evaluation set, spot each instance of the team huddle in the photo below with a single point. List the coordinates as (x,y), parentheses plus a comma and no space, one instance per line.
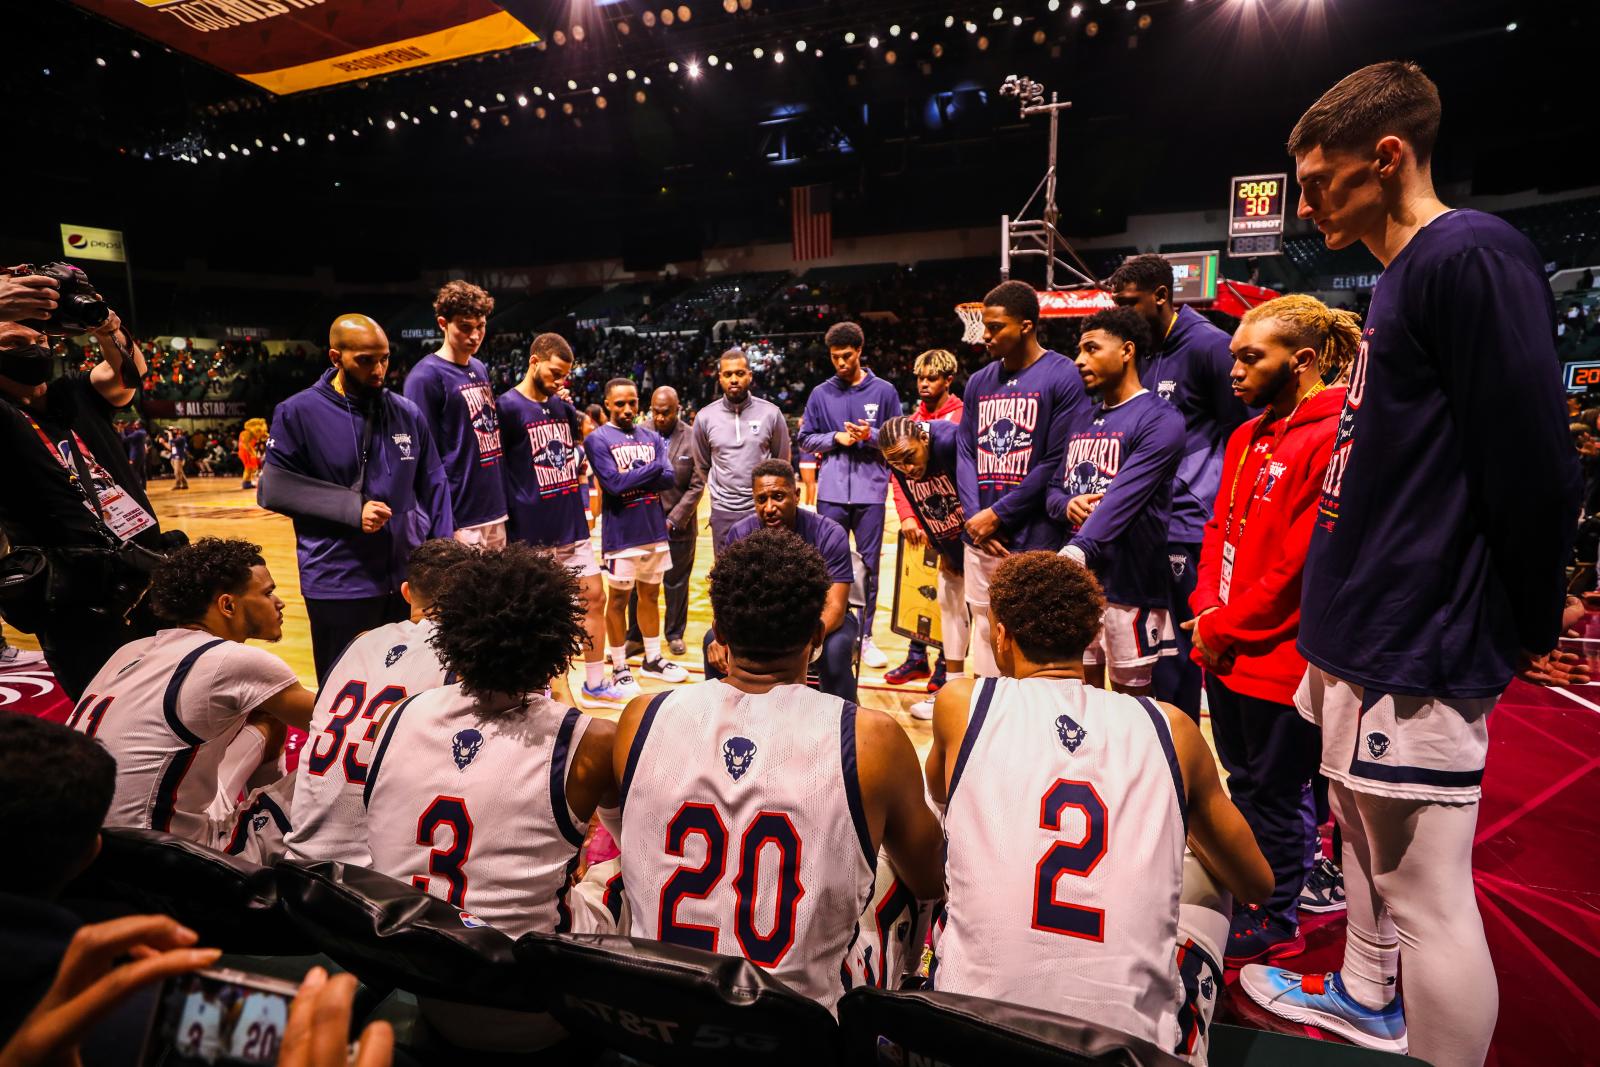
(1105,525)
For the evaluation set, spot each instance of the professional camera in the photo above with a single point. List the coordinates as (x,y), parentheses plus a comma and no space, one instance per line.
(78,309)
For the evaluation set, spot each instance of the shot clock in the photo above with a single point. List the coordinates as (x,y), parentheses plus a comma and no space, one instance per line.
(1255,215)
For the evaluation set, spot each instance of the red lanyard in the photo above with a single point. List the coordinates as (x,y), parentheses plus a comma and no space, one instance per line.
(1266,461)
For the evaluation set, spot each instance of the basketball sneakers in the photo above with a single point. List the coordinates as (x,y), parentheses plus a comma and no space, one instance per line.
(1320,1000)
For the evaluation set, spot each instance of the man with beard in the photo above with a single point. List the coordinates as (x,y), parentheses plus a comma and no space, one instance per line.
(349,462)
(731,436)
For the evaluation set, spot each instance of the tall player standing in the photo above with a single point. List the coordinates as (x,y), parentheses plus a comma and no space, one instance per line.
(1019,411)
(1436,568)
(1188,367)
(452,390)
(840,425)
(545,478)
(753,807)
(380,669)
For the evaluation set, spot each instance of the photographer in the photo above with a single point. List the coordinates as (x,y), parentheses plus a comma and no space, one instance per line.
(67,491)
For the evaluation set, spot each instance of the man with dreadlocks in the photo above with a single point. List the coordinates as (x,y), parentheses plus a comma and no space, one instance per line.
(1247,600)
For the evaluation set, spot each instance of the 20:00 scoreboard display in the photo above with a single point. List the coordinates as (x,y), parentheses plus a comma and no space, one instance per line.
(1255,214)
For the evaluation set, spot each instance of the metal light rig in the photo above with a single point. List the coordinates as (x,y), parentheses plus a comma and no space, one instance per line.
(1025,237)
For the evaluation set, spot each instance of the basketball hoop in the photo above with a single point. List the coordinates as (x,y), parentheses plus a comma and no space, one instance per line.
(971,316)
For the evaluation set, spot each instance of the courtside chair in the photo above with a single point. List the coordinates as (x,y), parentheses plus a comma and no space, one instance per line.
(668,1006)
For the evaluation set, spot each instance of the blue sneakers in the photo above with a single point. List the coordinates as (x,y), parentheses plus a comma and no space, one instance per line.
(608,695)
(1256,938)
(1320,1000)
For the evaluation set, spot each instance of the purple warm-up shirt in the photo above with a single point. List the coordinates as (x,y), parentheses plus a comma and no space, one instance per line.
(459,405)
(544,470)
(631,467)
(1013,433)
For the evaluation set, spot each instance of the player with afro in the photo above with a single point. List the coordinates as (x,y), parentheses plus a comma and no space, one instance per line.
(1045,763)
(758,756)
(493,750)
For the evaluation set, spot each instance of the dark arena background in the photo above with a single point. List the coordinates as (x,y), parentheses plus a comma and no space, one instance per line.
(658,183)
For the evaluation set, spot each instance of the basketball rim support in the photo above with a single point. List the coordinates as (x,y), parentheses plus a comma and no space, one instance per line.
(1024,237)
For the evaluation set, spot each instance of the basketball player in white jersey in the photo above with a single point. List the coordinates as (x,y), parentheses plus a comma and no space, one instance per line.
(258,1028)
(754,807)
(480,792)
(380,669)
(193,715)
(199,1034)
(1066,812)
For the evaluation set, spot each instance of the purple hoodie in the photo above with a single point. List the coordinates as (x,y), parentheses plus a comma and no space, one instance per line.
(326,457)
(857,474)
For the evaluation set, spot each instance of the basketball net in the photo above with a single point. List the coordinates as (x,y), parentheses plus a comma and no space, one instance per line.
(971,316)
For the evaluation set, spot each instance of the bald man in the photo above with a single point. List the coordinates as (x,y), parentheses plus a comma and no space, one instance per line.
(355,467)
(681,503)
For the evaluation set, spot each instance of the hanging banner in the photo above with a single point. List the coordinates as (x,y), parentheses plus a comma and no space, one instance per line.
(288,46)
(91,242)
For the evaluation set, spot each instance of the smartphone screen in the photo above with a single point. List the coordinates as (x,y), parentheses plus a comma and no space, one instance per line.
(219,1017)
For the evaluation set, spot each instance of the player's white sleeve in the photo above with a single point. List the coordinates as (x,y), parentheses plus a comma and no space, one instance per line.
(1205,912)
(598,903)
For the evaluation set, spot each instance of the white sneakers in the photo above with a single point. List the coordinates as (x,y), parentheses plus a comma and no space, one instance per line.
(872,655)
(922,709)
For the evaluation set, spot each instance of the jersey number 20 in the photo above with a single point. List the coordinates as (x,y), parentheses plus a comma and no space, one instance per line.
(1069,857)
(768,828)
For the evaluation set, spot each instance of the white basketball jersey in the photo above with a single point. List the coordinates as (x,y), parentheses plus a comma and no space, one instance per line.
(1064,839)
(166,707)
(200,1028)
(258,1031)
(743,830)
(380,669)
(474,809)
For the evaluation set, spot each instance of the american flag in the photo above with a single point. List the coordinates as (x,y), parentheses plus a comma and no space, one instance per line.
(811,217)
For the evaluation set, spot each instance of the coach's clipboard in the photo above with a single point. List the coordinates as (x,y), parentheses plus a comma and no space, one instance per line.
(916,594)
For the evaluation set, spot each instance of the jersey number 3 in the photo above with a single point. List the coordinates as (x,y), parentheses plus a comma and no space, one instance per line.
(767,829)
(447,863)
(1069,857)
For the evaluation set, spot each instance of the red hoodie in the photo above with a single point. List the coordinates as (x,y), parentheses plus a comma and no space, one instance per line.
(1273,497)
(949,411)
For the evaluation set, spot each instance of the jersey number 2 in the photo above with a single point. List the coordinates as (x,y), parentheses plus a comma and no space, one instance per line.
(447,863)
(768,828)
(1069,857)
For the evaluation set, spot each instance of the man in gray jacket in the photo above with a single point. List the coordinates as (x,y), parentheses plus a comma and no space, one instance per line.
(731,437)
(680,503)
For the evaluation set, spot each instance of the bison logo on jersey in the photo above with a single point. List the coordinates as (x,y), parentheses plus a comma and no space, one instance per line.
(464,747)
(1002,438)
(737,752)
(393,655)
(555,453)
(259,822)
(940,507)
(1208,988)
(1071,733)
(1377,744)
(1086,478)
(1166,388)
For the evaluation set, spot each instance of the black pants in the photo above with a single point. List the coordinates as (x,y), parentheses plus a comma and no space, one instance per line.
(1176,679)
(836,667)
(335,623)
(1270,754)
(674,590)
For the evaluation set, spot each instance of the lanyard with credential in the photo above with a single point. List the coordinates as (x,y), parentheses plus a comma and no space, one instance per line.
(91,499)
(1266,461)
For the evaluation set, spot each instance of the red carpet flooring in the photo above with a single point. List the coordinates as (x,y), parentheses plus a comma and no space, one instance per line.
(1537,864)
